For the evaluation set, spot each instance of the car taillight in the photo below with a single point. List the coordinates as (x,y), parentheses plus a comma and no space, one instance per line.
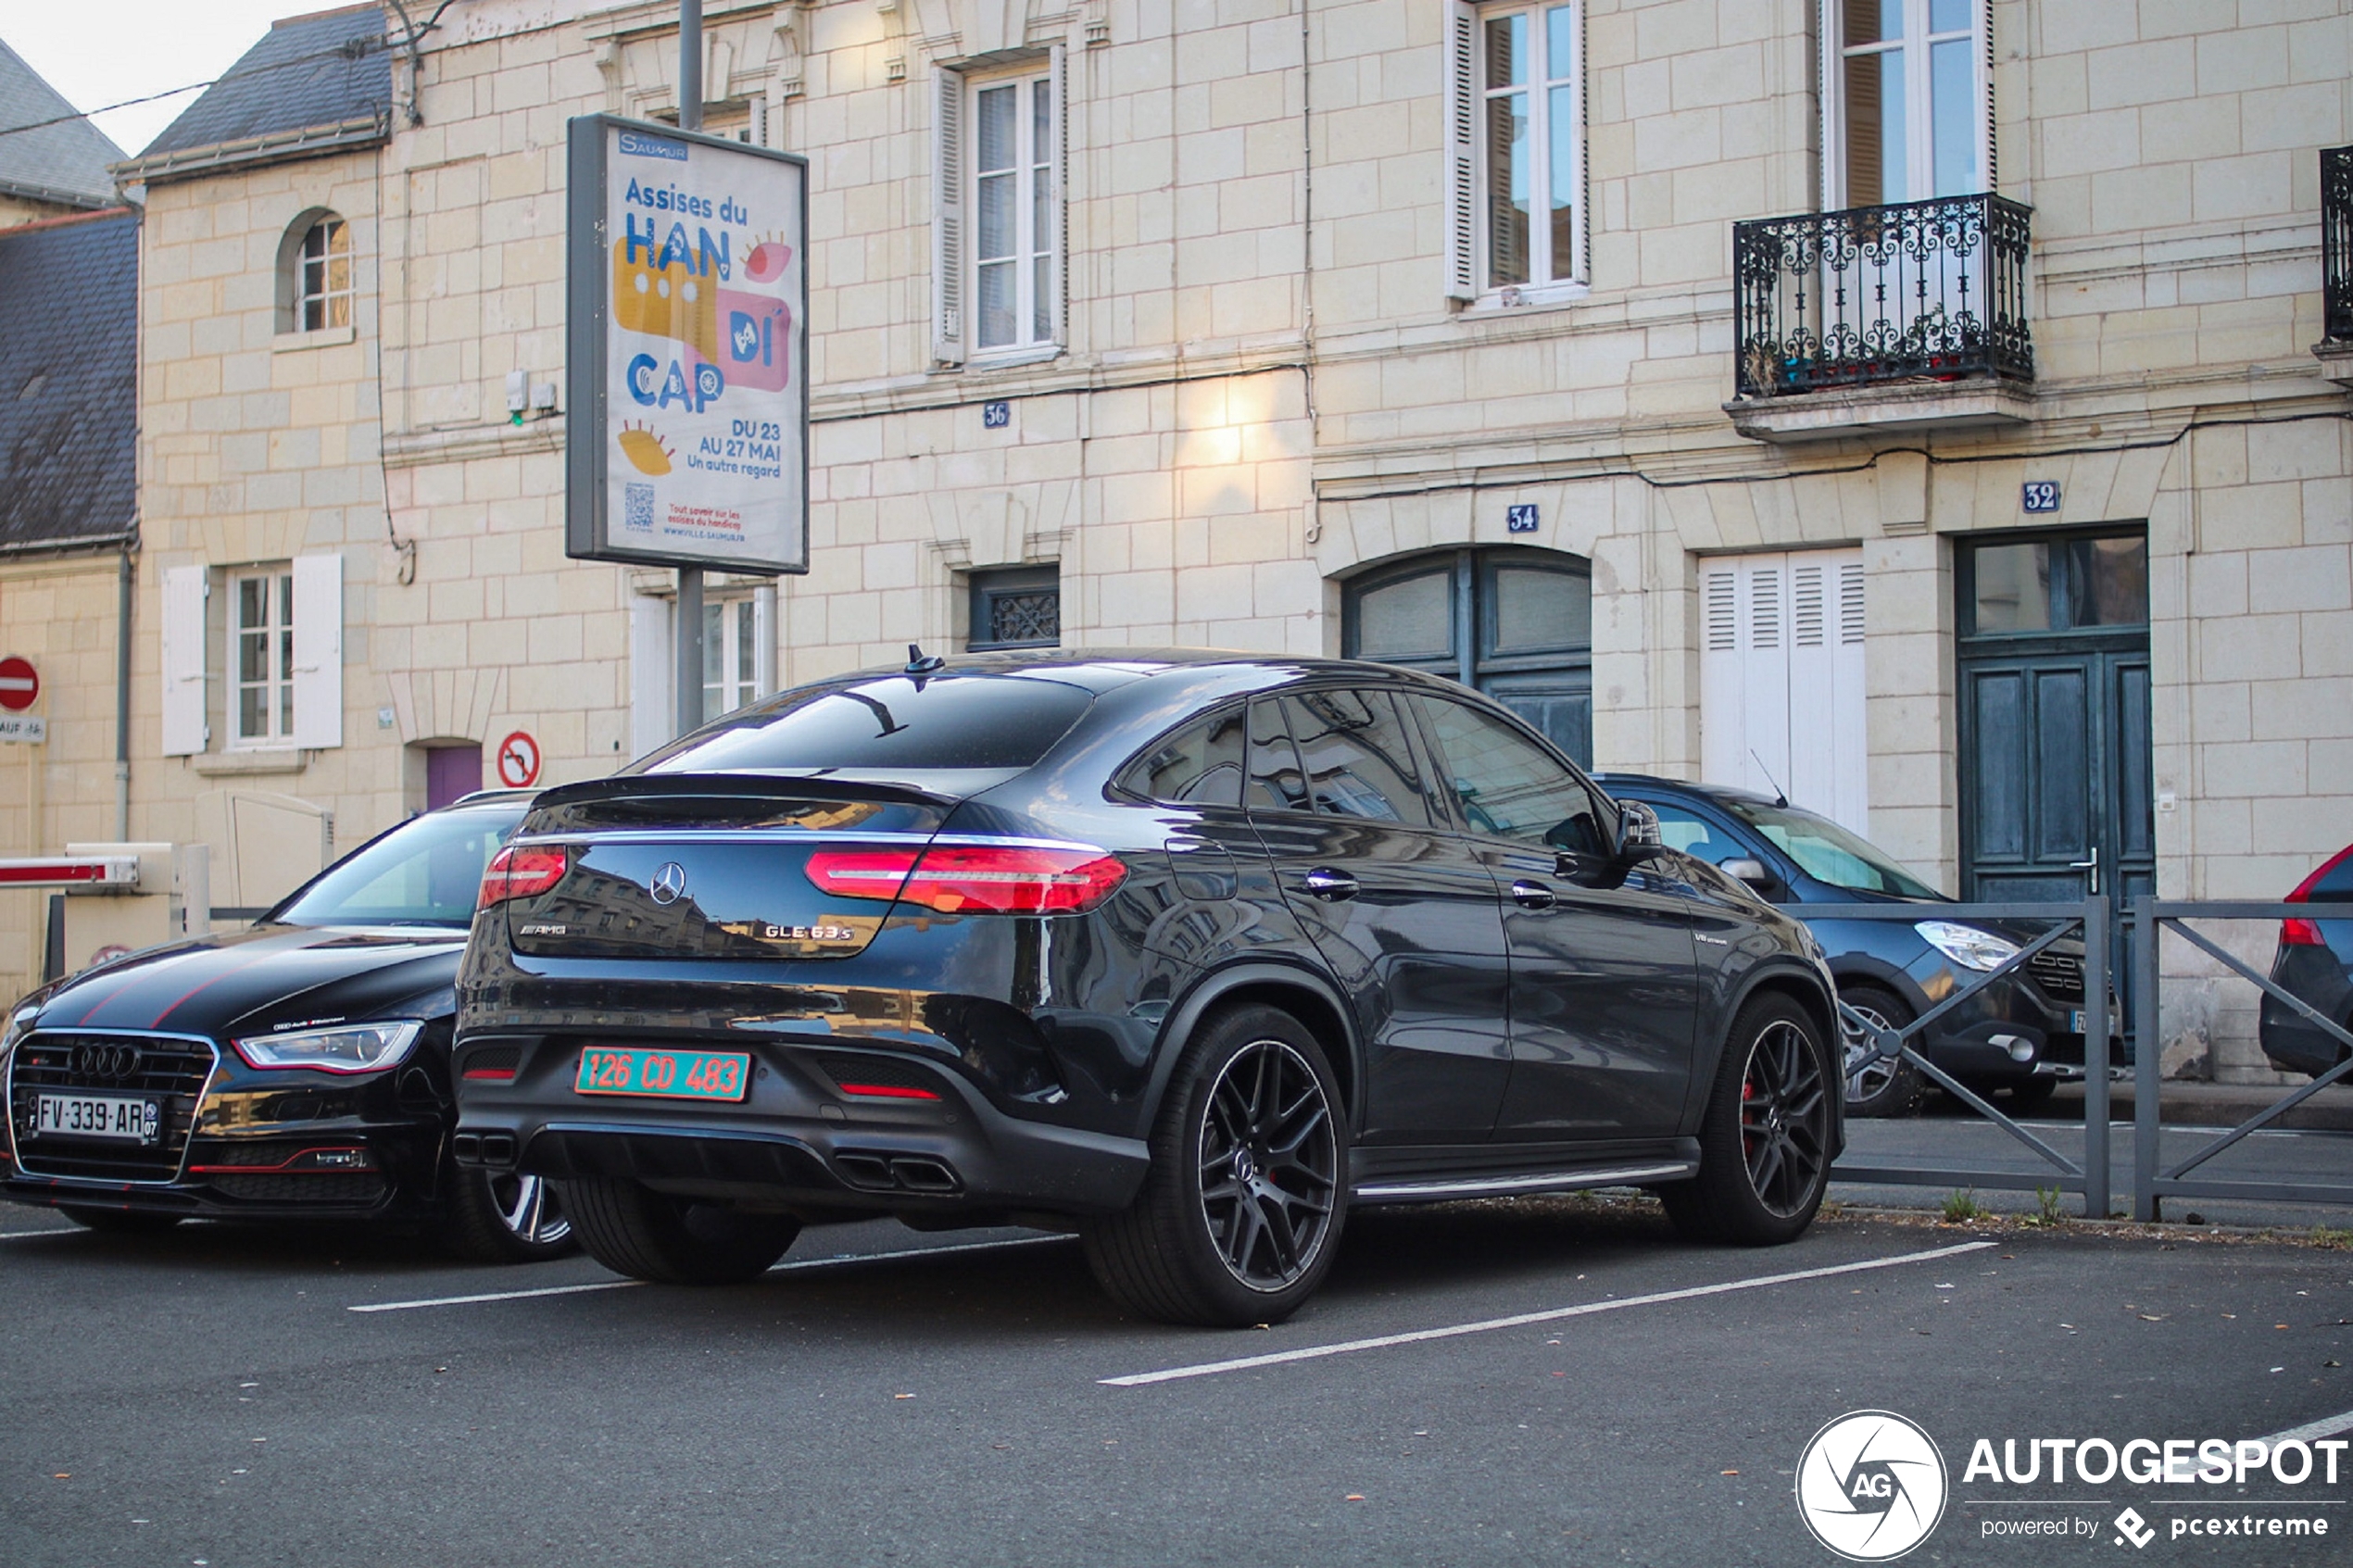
(520,873)
(981,879)
(2299,932)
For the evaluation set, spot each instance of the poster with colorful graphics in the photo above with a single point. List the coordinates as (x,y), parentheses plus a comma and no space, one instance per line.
(687,437)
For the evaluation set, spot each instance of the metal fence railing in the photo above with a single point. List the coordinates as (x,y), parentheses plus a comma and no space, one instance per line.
(2153,1180)
(2154,1177)
(2336,243)
(1875,1042)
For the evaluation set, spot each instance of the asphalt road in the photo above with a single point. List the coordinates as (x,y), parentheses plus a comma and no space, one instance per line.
(213,1396)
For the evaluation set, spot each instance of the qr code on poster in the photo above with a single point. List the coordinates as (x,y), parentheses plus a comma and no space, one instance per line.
(638,507)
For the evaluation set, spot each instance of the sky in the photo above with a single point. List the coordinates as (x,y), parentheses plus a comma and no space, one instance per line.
(99,52)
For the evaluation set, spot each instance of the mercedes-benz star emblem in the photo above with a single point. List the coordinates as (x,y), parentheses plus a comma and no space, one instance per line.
(670,883)
(108,1060)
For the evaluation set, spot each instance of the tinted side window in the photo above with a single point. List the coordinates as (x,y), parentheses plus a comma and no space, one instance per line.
(1200,765)
(1358,762)
(2336,886)
(1507,787)
(1695,836)
(1275,780)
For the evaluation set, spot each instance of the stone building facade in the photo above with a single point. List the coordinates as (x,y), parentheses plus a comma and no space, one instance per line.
(1409,327)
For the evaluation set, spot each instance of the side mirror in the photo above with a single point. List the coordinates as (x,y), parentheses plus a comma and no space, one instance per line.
(1637,825)
(1750,871)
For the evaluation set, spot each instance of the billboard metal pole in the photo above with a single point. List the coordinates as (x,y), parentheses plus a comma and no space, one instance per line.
(687,703)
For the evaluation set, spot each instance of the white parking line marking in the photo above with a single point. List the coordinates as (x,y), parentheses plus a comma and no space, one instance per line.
(27,1235)
(2327,1426)
(844,1261)
(1456,1331)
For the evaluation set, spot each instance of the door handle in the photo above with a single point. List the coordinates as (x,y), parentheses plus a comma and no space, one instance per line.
(2092,865)
(1532,894)
(1328,885)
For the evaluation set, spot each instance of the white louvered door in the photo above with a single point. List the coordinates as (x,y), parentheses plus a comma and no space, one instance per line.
(1781,679)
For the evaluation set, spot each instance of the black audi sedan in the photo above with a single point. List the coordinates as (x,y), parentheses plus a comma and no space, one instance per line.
(2023,1036)
(2314,963)
(299,1069)
(1189,953)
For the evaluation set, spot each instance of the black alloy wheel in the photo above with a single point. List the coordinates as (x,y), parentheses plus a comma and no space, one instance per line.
(1241,1210)
(500,1217)
(1884,1086)
(1266,1163)
(1765,1139)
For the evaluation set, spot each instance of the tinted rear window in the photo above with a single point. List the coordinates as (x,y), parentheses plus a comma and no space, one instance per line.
(2336,886)
(897,722)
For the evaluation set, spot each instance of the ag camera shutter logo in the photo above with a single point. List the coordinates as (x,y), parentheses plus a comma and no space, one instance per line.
(1871,1486)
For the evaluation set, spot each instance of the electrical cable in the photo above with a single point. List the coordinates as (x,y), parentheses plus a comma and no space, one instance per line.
(352,52)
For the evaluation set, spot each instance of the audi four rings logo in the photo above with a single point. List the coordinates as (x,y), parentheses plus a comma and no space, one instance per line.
(1871,1486)
(111,1059)
(670,883)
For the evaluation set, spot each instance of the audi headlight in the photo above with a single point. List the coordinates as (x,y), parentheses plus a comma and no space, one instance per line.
(20,1025)
(348,1048)
(1966,945)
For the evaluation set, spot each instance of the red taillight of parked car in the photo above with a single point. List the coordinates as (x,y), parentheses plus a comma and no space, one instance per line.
(2296,932)
(520,873)
(974,879)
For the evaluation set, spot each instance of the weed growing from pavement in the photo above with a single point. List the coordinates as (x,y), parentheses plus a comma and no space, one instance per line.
(2046,1210)
(1960,1208)
(2331,1237)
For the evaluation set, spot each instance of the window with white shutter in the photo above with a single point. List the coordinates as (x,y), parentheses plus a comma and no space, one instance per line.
(1515,219)
(1782,699)
(183,636)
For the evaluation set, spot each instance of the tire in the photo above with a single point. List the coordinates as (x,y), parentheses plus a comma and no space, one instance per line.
(1765,1137)
(503,1218)
(1882,1089)
(1241,1210)
(634,1230)
(119,1221)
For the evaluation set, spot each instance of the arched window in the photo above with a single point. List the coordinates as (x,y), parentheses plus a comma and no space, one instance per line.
(1516,624)
(315,274)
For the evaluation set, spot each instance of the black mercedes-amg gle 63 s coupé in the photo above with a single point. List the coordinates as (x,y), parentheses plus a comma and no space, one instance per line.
(1189,953)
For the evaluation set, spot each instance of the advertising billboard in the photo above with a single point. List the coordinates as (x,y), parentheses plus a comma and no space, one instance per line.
(687,297)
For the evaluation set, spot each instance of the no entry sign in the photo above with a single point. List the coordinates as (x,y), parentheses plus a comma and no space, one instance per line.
(19,683)
(519,760)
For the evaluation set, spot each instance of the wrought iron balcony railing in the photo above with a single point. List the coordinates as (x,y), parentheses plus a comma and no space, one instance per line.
(1932,290)
(2337,242)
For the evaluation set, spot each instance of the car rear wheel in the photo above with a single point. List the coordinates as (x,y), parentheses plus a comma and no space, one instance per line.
(1880,1087)
(119,1221)
(1241,1210)
(634,1230)
(1765,1139)
(505,1218)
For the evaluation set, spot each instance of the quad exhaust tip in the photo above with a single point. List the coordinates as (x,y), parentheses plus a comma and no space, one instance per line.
(898,1172)
(496,1150)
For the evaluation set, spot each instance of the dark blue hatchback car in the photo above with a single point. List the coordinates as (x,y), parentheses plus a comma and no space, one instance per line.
(2023,1037)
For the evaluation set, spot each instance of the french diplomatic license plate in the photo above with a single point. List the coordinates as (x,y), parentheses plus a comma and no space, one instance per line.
(2075,1023)
(616,1070)
(97,1116)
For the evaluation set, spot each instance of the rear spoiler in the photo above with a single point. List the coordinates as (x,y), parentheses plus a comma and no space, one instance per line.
(797,787)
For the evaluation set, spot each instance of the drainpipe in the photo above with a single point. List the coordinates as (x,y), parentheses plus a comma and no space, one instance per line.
(122,701)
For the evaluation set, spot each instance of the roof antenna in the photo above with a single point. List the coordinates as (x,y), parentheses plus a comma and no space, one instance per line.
(1779,798)
(922,663)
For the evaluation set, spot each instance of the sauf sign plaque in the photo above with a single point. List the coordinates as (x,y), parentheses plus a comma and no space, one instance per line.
(688,339)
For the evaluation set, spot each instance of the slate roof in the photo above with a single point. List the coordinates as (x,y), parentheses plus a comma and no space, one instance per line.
(60,158)
(69,378)
(308,73)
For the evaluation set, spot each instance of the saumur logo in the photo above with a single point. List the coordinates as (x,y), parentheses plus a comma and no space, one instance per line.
(1871,1486)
